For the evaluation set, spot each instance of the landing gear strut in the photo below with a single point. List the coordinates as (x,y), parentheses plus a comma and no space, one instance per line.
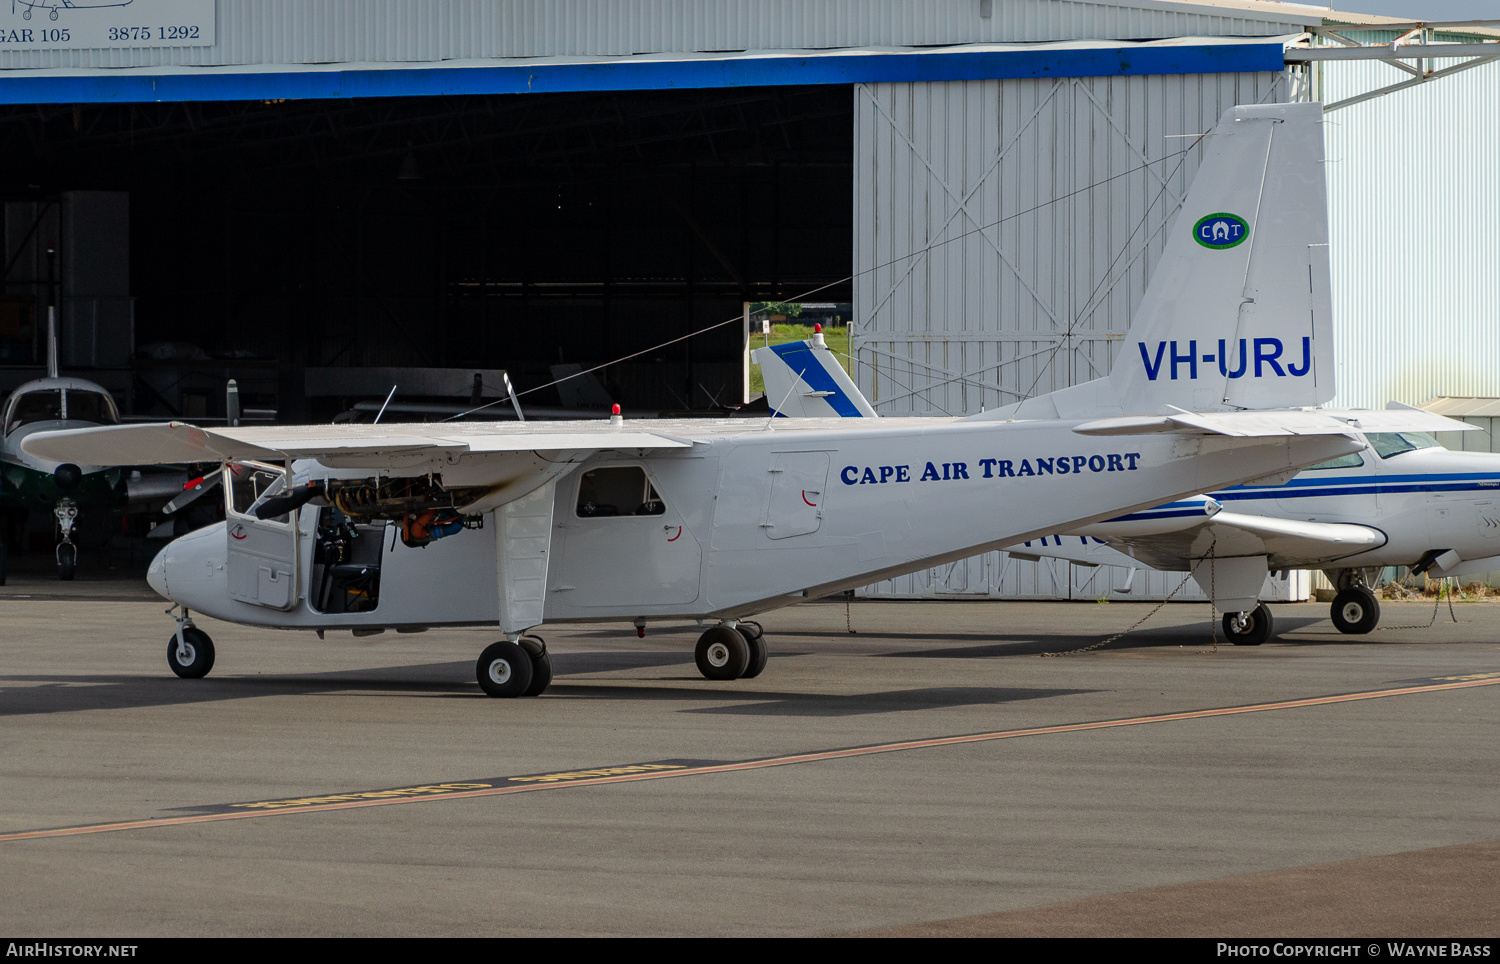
(1251,628)
(66,512)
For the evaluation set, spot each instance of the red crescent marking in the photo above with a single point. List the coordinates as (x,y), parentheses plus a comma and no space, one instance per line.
(804,499)
(239,529)
(677,536)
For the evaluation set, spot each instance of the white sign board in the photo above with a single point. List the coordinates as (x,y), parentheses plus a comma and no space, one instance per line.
(93,24)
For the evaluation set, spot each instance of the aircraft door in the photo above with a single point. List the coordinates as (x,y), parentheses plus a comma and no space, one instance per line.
(623,544)
(798,480)
(262,564)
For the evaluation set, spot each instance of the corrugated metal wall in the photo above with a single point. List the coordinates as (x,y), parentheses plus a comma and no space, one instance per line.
(1004,235)
(1414,202)
(383,31)
(998,575)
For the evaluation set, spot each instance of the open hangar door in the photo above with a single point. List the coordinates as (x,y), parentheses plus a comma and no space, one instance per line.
(474,232)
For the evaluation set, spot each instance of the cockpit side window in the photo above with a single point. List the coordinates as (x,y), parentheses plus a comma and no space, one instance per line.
(617,490)
(39,406)
(1387,444)
(1350,461)
(249,484)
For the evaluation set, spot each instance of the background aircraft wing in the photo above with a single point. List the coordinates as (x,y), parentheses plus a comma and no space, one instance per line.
(1172,541)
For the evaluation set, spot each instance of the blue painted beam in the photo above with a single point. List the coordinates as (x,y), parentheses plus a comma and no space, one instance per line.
(119,86)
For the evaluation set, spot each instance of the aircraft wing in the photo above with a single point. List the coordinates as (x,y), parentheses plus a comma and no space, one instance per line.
(1173,540)
(345,446)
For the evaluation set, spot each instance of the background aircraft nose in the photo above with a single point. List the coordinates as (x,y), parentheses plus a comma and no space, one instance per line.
(156,576)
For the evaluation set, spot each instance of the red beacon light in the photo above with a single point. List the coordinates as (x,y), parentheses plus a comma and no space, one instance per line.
(817,338)
(614,414)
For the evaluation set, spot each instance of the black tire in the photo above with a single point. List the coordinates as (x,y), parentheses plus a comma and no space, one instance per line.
(722,654)
(541,673)
(3,560)
(200,654)
(1355,611)
(1259,627)
(750,629)
(504,670)
(758,654)
(67,561)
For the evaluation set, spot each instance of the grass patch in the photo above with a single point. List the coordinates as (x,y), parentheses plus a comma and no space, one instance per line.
(836,338)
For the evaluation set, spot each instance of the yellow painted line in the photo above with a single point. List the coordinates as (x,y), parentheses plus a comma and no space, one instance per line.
(813,757)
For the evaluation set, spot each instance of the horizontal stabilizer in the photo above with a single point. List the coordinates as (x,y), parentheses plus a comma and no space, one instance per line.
(1255,424)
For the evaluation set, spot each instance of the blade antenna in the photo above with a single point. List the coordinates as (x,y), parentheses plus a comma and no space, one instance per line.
(383,407)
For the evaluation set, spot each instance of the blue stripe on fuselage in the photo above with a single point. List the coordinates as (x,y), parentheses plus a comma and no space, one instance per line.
(1462,482)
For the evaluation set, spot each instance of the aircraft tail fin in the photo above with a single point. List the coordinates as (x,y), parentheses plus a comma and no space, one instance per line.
(805,380)
(1237,314)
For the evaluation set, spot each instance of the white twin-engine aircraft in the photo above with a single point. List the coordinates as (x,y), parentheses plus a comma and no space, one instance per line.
(406,527)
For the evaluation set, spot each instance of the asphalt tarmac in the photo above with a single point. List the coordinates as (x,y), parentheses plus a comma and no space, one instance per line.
(931,773)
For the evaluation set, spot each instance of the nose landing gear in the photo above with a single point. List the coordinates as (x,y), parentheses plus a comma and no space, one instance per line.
(1356,611)
(66,512)
(190,652)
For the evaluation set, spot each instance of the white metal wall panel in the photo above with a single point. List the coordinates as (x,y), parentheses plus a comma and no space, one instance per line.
(998,575)
(1005,230)
(1004,235)
(393,31)
(1414,200)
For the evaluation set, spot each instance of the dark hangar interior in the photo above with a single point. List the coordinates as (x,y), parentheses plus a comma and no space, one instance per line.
(510,232)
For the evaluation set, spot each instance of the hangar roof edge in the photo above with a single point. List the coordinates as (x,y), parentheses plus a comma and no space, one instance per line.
(1079,58)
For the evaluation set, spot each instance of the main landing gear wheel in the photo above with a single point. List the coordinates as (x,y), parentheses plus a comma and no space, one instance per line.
(1257,628)
(504,669)
(722,654)
(541,665)
(1355,611)
(754,638)
(195,657)
(67,561)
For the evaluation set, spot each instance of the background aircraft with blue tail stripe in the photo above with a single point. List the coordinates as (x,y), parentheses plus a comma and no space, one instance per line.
(1403,501)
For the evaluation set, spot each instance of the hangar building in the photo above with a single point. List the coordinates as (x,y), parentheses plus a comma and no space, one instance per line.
(273,190)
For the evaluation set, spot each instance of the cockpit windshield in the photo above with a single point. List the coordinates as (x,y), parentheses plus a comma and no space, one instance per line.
(1387,444)
(91,407)
(41,406)
(52,404)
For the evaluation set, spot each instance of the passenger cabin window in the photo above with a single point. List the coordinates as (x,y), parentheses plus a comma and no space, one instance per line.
(42,406)
(1387,444)
(624,490)
(249,484)
(1350,461)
